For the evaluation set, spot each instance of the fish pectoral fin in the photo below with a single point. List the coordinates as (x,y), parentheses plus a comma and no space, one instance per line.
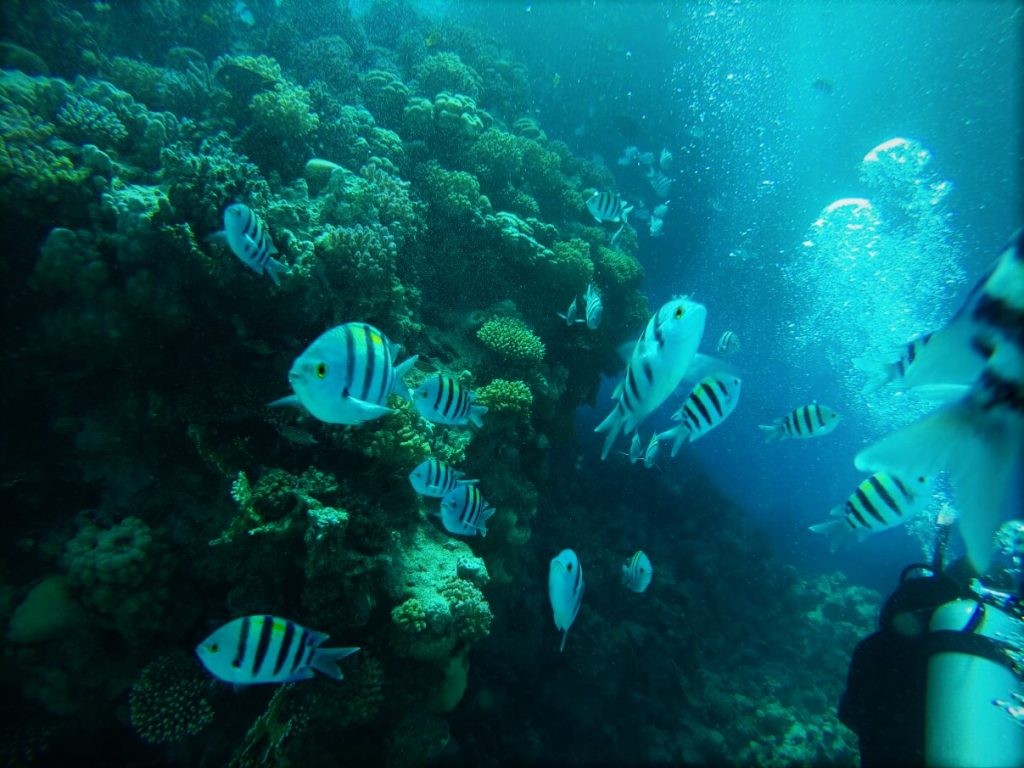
(367,411)
(288,400)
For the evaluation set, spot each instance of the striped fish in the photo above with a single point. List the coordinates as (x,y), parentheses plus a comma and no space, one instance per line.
(608,206)
(347,375)
(881,502)
(594,308)
(637,572)
(884,371)
(709,404)
(443,400)
(665,160)
(651,453)
(636,449)
(657,226)
(267,649)
(246,236)
(295,435)
(978,438)
(728,343)
(565,590)
(660,183)
(435,478)
(802,423)
(464,511)
(659,361)
(571,313)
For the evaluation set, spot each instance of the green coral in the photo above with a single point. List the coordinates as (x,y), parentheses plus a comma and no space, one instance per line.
(446,72)
(506,396)
(385,95)
(570,263)
(82,120)
(512,339)
(617,267)
(169,700)
(453,195)
(285,112)
(274,505)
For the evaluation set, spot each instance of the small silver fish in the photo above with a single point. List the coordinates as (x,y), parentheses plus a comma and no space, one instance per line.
(637,572)
(665,160)
(728,342)
(657,225)
(565,590)
(296,435)
(571,313)
(651,454)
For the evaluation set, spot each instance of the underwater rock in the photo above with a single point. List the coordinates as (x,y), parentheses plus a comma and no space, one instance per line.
(15,57)
(48,612)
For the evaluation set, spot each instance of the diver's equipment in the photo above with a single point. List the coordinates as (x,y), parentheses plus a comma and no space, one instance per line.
(971,672)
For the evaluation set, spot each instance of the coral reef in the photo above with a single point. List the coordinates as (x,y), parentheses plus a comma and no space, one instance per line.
(511,339)
(169,702)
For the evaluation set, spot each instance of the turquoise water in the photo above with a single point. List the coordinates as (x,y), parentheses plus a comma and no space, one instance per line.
(424,168)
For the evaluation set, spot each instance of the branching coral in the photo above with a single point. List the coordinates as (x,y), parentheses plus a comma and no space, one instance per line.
(511,339)
(385,95)
(617,267)
(453,195)
(506,396)
(168,702)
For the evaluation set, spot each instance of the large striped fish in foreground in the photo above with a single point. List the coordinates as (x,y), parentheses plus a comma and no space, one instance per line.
(268,649)
(659,361)
(464,511)
(347,375)
(245,234)
(565,590)
(709,404)
(881,502)
(802,423)
(979,438)
(442,399)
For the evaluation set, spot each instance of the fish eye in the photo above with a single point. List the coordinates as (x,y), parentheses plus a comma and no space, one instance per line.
(568,567)
(920,479)
(321,370)
(679,312)
(213,647)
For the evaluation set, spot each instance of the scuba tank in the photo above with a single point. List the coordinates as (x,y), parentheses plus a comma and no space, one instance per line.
(973,641)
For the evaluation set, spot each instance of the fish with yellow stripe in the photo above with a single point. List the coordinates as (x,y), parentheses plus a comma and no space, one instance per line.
(347,375)
(881,502)
(658,362)
(710,403)
(802,423)
(268,649)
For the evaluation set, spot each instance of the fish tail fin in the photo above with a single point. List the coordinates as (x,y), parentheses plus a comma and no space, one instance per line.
(291,401)
(679,434)
(475,414)
(325,661)
(879,371)
(980,448)
(273,267)
(565,635)
(485,515)
(401,388)
(772,432)
(837,531)
(612,424)
(617,233)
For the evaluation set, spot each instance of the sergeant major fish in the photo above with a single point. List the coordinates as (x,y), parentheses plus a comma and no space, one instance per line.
(728,343)
(565,591)
(660,183)
(659,361)
(651,453)
(802,423)
(709,404)
(609,207)
(347,375)
(594,308)
(464,511)
(267,649)
(435,478)
(571,314)
(978,438)
(247,238)
(637,572)
(442,399)
(881,502)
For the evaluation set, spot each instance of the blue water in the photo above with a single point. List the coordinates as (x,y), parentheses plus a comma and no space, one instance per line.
(949,77)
